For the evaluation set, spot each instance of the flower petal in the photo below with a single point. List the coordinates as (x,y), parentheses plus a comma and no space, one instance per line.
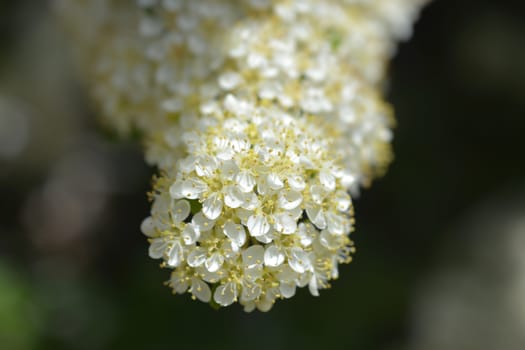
(316,216)
(284,223)
(157,248)
(290,199)
(200,289)
(313,286)
(178,281)
(175,254)
(343,201)
(214,262)
(191,188)
(197,257)
(258,225)
(275,182)
(336,224)
(245,181)
(296,183)
(180,211)
(287,289)
(229,169)
(148,227)
(250,291)
(212,207)
(202,223)
(190,234)
(299,260)
(253,256)
(225,294)
(327,179)
(273,256)
(235,232)
(233,197)
(205,166)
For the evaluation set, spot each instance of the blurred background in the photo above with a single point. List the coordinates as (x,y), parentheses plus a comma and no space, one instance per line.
(441,239)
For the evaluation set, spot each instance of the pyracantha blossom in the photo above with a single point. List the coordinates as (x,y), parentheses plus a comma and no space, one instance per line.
(300,57)
(261,116)
(255,210)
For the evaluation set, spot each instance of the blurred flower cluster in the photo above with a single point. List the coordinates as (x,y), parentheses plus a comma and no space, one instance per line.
(263,118)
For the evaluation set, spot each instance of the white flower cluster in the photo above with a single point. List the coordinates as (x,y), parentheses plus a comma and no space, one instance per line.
(256,209)
(262,116)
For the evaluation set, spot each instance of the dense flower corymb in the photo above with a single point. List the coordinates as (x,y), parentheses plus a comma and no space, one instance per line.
(255,210)
(262,116)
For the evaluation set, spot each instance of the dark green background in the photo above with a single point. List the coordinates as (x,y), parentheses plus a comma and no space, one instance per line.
(458,87)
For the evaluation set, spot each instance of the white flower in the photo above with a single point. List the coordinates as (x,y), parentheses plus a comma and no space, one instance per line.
(249,225)
(261,117)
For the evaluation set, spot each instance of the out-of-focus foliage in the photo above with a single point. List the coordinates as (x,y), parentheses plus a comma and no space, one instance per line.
(457,88)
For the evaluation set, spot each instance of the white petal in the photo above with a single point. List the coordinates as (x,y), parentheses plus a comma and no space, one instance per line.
(273,256)
(229,169)
(327,179)
(148,227)
(233,197)
(178,282)
(212,207)
(229,250)
(175,254)
(225,294)
(303,279)
(312,286)
(335,270)
(318,193)
(205,166)
(316,216)
(249,306)
(161,205)
(190,234)
(235,232)
(254,273)
(290,199)
(200,290)
(267,238)
(245,181)
(180,211)
(214,262)
(207,276)
(197,257)
(275,182)
(336,223)
(295,213)
(299,260)
(284,223)
(329,241)
(262,185)
(265,304)
(287,289)
(186,165)
(202,223)
(306,232)
(253,256)
(243,214)
(157,248)
(250,292)
(296,183)
(251,202)
(258,225)
(286,274)
(192,188)
(343,201)
(176,190)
